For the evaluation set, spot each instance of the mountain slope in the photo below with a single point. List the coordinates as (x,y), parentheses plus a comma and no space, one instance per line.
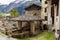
(20,5)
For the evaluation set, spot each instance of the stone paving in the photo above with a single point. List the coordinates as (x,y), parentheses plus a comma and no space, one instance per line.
(4,37)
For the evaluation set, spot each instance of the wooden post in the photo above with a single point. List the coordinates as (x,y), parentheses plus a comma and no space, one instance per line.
(41,23)
(19,25)
(32,27)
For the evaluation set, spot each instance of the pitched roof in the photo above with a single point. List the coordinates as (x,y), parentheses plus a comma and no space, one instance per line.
(33,6)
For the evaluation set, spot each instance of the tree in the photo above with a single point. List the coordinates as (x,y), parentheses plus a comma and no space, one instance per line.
(1,14)
(14,12)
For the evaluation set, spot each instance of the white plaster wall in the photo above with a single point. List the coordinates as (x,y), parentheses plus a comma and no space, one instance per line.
(49,13)
(45,5)
(43,13)
(59,14)
(42,9)
(57,22)
(56,19)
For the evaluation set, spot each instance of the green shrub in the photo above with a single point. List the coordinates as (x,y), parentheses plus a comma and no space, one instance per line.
(14,12)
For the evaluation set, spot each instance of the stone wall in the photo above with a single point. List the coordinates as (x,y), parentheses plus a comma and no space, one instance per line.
(34,12)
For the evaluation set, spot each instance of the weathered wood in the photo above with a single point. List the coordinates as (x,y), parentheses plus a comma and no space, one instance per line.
(32,27)
(19,25)
(23,34)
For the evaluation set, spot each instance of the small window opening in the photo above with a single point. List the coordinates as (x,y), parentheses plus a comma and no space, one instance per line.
(40,0)
(34,14)
(46,2)
(45,17)
(45,10)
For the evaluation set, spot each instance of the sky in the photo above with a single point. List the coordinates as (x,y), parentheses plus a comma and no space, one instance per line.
(6,1)
(3,2)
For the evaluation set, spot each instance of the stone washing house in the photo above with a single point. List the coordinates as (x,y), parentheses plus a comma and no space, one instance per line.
(32,10)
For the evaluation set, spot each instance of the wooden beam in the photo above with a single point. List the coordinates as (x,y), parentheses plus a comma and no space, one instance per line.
(32,27)
(19,25)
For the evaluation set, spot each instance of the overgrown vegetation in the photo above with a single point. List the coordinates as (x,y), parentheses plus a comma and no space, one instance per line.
(13,12)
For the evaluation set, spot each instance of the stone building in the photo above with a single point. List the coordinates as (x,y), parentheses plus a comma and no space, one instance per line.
(44,12)
(34,10)
(39,10)
(53,15)
(52,12)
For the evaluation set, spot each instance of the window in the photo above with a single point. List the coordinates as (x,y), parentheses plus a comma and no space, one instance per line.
(45,9)
(14,25)
(40,0)
(35,14)
(45,17)
(46,2)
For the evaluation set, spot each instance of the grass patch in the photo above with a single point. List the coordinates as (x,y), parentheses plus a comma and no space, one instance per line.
(45,36)
(42,36)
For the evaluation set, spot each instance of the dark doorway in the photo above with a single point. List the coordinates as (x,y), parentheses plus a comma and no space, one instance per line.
(52,13)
